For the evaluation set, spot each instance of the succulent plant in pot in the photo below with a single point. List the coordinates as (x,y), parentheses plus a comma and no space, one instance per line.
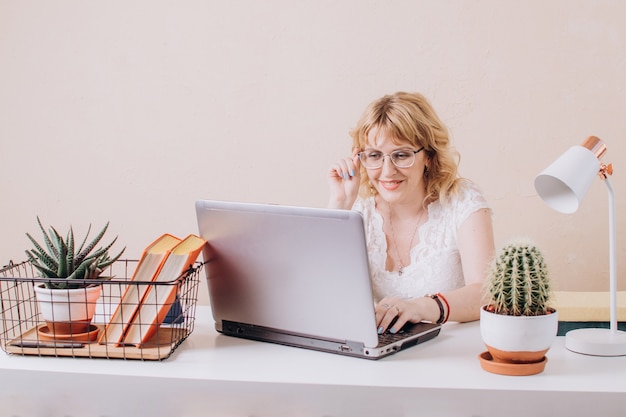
(518,325)
(66,292)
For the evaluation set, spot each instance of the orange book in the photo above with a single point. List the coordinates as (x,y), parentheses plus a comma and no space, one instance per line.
(150,263)
(159,298)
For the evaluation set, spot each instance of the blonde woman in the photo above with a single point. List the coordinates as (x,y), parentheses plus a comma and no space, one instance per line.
(429,231)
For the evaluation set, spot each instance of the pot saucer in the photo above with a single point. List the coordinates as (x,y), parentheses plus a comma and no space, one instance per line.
(514,369)
(89,336)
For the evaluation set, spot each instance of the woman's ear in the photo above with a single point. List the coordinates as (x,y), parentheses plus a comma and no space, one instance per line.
(427,166)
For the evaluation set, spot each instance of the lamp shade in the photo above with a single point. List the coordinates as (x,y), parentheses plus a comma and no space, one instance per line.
(564,183)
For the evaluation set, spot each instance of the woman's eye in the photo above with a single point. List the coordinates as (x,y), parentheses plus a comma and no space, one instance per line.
(374,155)
(401,155)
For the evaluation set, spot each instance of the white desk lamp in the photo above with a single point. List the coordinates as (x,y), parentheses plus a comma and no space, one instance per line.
(562,186)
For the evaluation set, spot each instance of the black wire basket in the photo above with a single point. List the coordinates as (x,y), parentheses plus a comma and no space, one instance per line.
(160,322)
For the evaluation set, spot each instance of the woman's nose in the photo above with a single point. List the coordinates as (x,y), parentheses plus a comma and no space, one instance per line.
(388,165)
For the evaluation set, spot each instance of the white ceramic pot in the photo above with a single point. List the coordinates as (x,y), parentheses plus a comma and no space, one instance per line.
(518,338)
(67,310)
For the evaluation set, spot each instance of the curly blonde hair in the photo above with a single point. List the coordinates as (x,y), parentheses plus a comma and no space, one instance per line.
(410,117)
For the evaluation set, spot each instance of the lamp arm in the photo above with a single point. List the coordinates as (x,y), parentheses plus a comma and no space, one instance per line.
(612,257)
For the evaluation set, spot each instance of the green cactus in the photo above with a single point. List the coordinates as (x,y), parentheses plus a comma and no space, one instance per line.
(61,259)
(518,281)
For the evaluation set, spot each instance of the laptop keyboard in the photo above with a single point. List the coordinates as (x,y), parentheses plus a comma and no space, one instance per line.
(406,331)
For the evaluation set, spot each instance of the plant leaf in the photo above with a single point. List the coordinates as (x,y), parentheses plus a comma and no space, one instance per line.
(41,254)
(51,248)
(62,270)
(70,250)
(112,260)
(85,251)
(80,248)
(48,273)
(79,272)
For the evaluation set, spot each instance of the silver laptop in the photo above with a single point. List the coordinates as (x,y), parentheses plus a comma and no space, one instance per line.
(296,276)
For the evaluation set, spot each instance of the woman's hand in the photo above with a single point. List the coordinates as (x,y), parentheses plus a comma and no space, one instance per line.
(400,311)
(344,179)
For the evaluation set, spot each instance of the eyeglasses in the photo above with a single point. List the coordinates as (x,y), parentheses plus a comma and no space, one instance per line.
(400,158)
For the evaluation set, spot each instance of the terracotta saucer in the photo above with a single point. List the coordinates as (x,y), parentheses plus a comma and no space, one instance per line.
(514,369)
(89,336)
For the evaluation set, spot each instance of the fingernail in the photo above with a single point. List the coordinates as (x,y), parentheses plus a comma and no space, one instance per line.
(352,173)
(380,330)
(393,330)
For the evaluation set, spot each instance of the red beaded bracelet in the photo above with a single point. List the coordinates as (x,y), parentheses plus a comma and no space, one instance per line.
(447,306)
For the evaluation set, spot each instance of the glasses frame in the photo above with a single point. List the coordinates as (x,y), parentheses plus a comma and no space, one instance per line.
(382,161)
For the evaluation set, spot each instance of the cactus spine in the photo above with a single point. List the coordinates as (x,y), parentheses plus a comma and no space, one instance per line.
(518,281)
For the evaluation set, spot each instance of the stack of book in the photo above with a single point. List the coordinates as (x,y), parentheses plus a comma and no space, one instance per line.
(585,309)
(145,303)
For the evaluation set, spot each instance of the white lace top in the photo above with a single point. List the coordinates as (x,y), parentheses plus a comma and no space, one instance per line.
(435,261)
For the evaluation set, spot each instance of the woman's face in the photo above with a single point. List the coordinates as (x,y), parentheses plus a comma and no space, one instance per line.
(396,185)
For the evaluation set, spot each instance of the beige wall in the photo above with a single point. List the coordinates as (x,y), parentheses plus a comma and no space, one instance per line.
(129,110)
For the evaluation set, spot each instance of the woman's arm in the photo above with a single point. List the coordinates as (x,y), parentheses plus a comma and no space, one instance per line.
(476,248)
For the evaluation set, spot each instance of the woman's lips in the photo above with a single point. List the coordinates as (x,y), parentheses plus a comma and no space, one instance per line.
(390,185)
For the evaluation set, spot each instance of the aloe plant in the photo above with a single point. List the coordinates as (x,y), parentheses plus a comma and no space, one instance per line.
(62,259)
(518,281)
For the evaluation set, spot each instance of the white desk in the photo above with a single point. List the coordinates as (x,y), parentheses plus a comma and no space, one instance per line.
(216,375)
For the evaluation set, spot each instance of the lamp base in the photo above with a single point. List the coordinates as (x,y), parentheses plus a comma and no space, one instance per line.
(596,342)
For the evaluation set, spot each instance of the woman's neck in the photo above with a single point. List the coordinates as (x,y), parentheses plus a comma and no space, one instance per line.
(402,209)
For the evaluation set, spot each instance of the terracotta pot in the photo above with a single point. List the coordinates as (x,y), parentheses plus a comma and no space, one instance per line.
(518,339)
(67,311)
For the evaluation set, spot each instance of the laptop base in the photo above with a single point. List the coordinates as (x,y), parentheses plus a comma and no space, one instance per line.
(423,332)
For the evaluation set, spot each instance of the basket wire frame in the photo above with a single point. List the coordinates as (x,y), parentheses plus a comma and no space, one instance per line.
(22,328)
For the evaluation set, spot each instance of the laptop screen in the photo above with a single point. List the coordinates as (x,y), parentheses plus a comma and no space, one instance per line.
(300,270)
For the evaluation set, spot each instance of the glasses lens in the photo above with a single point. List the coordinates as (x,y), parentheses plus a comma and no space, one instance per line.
(371,159)
(403,159)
